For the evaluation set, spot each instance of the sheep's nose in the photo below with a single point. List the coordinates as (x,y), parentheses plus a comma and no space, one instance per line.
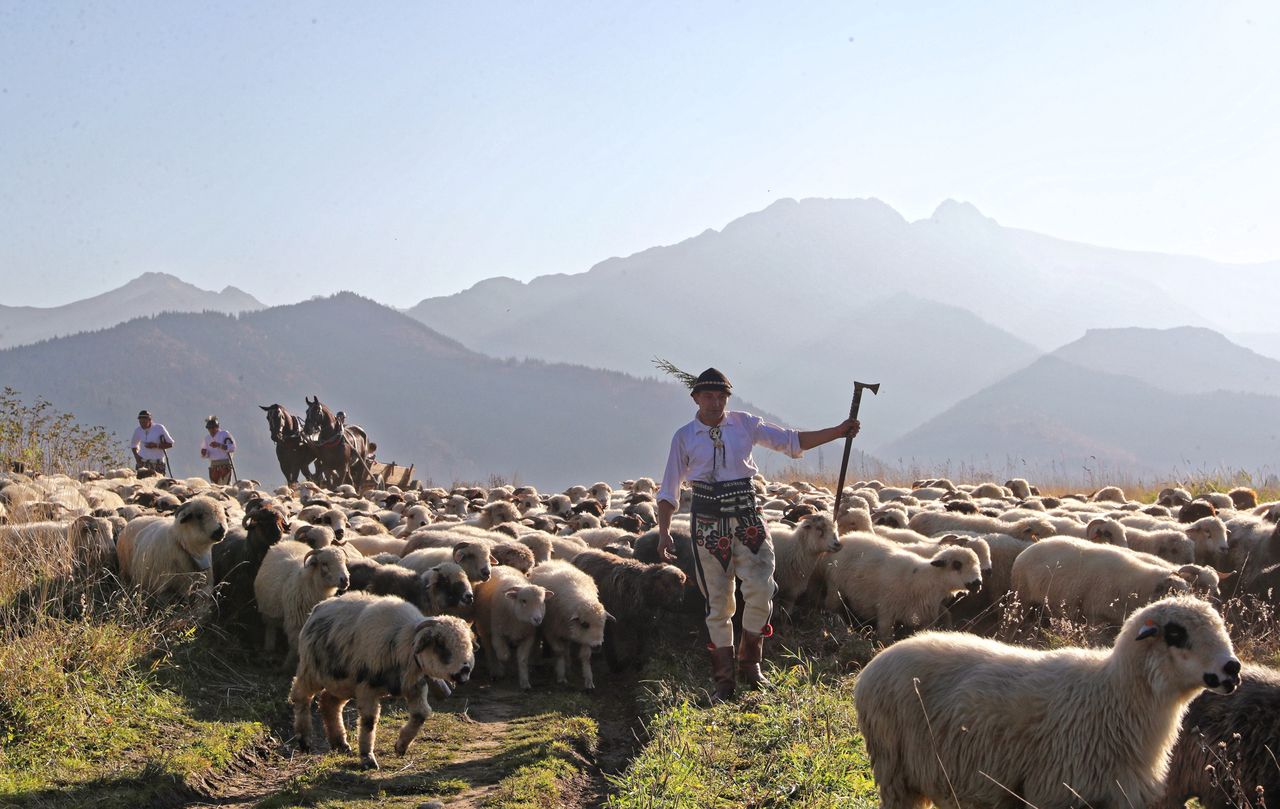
(485,574)
(338,533)
(536,620)
(975,585)
(468,598)
(1232,668)
(219,533)
(344,582)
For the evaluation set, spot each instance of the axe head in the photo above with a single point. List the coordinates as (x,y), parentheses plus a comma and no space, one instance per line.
(858,387)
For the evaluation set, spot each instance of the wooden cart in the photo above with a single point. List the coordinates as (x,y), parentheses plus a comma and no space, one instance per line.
(389,474)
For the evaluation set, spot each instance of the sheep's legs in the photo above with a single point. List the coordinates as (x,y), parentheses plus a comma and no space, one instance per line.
(584,655)
(523,650)
(334,729)
(370,706)
(419,710)
(497,653)
(301,698)
(561,653)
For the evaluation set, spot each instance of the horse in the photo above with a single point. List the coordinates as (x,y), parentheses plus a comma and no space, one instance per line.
(293,451)
(341,450)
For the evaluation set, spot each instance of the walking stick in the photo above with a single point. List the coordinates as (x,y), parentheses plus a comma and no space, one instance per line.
(168,467)
(858,387)
(235,476)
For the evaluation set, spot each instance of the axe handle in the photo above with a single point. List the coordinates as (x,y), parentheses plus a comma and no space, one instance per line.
(848,445)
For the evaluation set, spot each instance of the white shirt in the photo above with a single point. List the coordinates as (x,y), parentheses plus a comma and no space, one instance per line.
(693,453)
(213,453)
(150,435)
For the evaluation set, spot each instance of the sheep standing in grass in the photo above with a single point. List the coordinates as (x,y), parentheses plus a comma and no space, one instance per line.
(291,580)
(1226,755)
(882,583)
(172,554)
(965,721)
(797,553)
(633,593)
(575,617)
(509,611)
(1101,582)
(366,647)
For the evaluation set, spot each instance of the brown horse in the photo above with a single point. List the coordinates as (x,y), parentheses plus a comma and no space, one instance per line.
(293,451)
(341,450)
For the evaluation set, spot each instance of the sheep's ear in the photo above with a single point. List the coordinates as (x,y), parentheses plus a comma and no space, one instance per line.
(264,407)
(245,522)
(309,560)
(184,513)
(512,592)
(1149,630)
(609,617)
(1190,573)
(938,562)
(493,561)
(1224,576)
(548,594)
(461,546)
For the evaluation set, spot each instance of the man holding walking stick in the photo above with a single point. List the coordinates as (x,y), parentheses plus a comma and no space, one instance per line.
(730,540)
(150,440)
(217,448)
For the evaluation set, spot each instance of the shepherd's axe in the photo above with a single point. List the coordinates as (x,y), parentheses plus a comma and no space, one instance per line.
(858,388)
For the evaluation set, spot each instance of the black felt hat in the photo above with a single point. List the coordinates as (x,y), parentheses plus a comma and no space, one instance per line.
(144,414)
(711,379)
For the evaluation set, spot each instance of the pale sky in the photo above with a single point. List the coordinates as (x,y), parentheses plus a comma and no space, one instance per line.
(405,150)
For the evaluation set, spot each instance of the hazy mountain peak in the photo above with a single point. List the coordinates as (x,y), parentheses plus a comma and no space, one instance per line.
(951,212)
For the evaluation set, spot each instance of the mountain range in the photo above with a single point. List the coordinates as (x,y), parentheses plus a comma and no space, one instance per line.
(997,349)
(424,398)
(149,294)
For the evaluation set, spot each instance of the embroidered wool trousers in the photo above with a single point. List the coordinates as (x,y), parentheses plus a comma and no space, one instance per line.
(729,548)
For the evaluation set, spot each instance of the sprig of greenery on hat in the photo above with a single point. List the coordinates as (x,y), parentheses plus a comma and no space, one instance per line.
(667,367)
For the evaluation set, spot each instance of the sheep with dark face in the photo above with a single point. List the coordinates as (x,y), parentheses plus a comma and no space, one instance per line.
(366,647)
(236,561)
(961,720)
(633,593)
(172,554)
(435,590)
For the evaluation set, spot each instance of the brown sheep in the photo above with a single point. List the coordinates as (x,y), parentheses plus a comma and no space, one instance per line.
(632,592)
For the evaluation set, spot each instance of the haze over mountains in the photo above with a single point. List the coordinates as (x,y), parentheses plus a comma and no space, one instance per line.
(148,294)
(952,314)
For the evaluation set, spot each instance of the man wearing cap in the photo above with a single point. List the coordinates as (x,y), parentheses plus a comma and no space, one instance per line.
(149,443)
(217,448)
(729,537)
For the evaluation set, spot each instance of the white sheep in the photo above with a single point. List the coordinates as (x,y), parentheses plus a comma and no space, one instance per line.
(965,721)
(1101,582)
(890,586)
(472,556)
(933,523)
(413,518)
(366,647)
(172,554)
(509,610)
(575,617)
(797,552)
(292,579)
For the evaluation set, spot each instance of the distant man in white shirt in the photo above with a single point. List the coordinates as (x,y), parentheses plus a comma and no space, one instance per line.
(150,440)
(217,449)
(729,536)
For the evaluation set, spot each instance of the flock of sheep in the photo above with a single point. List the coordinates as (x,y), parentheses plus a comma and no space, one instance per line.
(391,593)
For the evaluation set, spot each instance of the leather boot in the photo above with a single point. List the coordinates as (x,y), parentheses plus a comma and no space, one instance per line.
(722,674)
(750,653)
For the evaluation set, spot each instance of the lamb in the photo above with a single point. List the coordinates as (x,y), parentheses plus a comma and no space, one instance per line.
(932,523)
(1101,582)
(797,553)
(1203,542)
(236,561)
(575,617)
(172,554)
(291,580)
(472,557)
(509,611)
(890,586)
(366,647)
(632,593)
(963,720)
(434,591)
(330,517)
